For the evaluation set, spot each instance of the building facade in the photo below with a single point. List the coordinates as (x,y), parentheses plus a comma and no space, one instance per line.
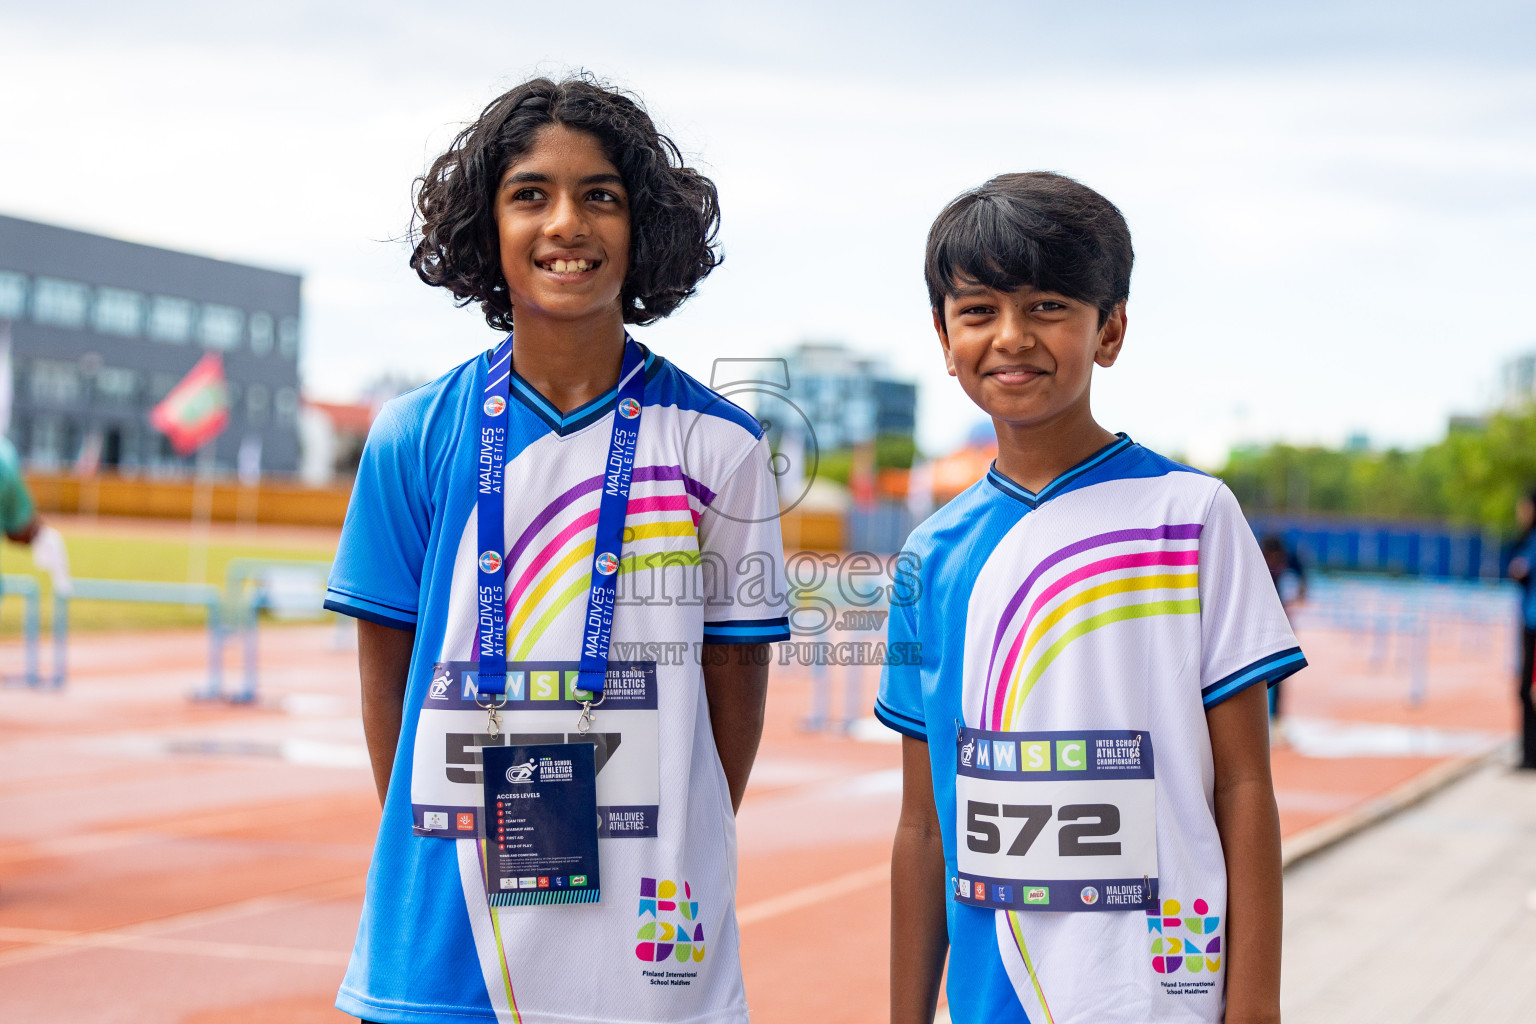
(102,329)
(849,399)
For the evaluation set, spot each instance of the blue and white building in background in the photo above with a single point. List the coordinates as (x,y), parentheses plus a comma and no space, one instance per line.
(848,398)
(102,329)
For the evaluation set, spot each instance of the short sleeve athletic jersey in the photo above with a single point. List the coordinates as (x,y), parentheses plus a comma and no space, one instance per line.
(702,563)
(1126,597)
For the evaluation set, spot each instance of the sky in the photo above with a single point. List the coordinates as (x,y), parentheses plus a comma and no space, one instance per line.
(1332,204)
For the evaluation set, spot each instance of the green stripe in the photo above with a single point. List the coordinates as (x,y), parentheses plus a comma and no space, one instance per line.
(1088,625)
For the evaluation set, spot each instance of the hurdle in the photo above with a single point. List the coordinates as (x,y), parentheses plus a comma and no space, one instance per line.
(26,587)
(245,596)
(204,595)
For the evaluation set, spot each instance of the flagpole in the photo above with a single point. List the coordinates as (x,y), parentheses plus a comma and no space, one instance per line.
(202,515)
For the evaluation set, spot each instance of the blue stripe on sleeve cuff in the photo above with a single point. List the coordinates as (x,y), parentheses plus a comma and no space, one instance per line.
(362,608)
(747,631)
(904,724)
(1271,669)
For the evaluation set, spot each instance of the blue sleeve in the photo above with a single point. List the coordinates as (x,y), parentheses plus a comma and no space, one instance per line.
(377,572)
(900,702)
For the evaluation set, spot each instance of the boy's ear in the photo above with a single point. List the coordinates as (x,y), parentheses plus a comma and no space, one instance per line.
(938,327)
(1111,337)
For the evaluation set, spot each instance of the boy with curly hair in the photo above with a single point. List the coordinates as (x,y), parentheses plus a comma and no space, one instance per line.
(521,531)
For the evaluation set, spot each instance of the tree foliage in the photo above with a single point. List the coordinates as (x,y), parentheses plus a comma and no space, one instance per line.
(1470,478)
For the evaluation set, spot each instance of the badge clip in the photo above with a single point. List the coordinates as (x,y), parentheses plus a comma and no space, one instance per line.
(493,714)
(584,723)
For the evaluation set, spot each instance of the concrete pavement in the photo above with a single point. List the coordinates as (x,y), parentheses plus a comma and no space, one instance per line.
(1426,918)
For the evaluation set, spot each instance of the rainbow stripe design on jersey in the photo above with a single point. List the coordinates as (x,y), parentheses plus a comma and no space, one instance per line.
(551,573)
(1150,572)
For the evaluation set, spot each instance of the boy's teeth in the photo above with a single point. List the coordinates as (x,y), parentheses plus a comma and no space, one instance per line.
(570,266)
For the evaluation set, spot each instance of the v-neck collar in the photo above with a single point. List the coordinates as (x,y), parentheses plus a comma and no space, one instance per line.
(585,414)
(1034,498)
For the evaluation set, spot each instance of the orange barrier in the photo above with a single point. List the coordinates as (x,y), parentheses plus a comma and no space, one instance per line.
(142,497)
(288,504)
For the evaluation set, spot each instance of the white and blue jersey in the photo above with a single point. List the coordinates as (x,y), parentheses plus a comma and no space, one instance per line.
(1072,641)
(702,562)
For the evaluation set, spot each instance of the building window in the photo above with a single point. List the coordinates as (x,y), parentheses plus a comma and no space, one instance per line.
(13,295)
(170,319)
(45,451)
(220,326)
(53,382)
(256,405)
(288,336)
(60,303)
(286,404)
(118,312)
(115,384)
(261,333)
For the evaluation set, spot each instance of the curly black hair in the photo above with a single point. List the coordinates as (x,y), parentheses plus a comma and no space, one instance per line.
(674,210)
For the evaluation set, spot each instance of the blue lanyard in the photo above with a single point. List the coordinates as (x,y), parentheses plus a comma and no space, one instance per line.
(491,594)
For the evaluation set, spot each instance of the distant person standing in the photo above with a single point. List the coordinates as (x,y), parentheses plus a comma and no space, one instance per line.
(18,516)
(1520,570)
(20,522)
(1290,579)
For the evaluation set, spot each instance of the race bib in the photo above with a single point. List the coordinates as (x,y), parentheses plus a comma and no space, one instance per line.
(1056,821)
(447,790)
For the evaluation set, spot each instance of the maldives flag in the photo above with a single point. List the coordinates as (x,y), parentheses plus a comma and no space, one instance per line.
(196,409)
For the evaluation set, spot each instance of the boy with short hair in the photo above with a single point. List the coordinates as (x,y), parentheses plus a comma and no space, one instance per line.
(1086,766)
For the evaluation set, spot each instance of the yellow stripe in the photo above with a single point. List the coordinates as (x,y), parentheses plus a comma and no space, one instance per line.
(580,585)
(1121,586)
(580,552)
(1112,587)
(1020,692)
(585,550)
(501,953)
(1018,936)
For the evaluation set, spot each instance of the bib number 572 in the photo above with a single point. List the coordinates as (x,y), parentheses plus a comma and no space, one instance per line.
(983,835)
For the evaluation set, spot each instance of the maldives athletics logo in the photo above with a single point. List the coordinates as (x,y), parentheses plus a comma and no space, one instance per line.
(1192,943)
(606,563)
(629,408)
(490,561)
(661,939)
(495,405)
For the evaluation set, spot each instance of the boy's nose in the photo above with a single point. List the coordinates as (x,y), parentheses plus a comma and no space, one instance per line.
(565,219)
(1012,335)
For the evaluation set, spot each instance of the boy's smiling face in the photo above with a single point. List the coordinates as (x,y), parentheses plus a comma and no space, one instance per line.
(1026,356)
(562,221)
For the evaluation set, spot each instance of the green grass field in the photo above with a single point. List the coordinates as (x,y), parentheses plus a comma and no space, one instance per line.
(130,554)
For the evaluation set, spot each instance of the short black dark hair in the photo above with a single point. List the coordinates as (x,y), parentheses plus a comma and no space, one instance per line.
(1038,229)
(674,211)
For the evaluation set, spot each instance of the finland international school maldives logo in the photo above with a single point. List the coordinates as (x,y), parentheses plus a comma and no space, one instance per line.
(661,939)
(1191,943)
(490,561)
(629,408)
(495,405)
(607,563)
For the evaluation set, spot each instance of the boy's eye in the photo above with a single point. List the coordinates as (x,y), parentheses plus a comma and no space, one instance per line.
(603,195)
(524,195)
(977,311)
(1049,306)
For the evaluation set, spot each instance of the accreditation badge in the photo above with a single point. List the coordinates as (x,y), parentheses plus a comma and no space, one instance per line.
(541,824)
(540,707)
(1055,821)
